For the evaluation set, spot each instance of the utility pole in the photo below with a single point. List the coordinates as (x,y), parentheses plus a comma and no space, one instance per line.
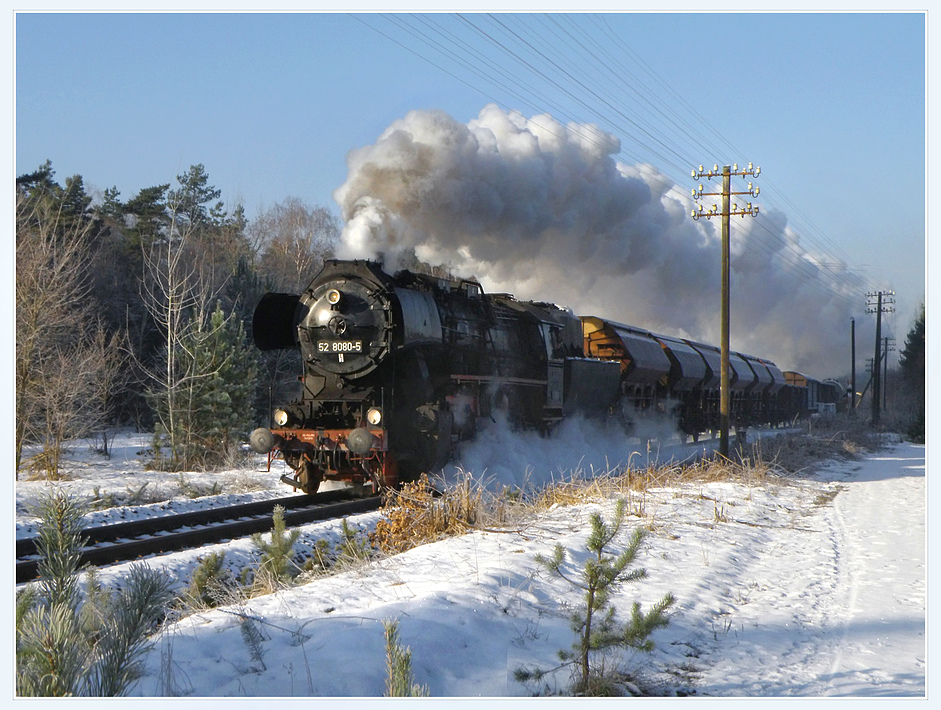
(728,211)
(887,345)
(882,305)
(862,395)
(853,371)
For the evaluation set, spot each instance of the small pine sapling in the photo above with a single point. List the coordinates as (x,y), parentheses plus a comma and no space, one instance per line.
(274,569)
(58,543)
(134,612)
(68,644)
(595,626)
(353,548)
(94,611)
(253,638)
(400,681)
(209,582)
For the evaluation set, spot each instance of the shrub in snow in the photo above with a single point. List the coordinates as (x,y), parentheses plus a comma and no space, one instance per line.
(416,514)
(68,643)
(595,626)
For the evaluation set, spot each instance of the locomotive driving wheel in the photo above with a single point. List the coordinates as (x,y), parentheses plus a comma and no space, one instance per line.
(308,476)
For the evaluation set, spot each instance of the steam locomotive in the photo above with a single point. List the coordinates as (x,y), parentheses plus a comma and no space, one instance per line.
(398,368)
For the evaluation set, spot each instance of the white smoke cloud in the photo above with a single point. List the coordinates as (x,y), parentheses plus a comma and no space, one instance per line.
(544,211)
(501,457)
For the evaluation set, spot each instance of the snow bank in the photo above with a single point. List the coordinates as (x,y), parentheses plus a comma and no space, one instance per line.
(799,588)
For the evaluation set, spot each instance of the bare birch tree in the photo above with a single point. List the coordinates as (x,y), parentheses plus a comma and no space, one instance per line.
(179,288)
(292,240)
(173,289)
(65,363)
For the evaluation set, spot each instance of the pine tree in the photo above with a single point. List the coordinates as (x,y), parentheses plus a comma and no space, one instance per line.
(133,612)
(213,392)
(146,216)
(209,582)
(400,682)
(194,192)
(111,206)
(275,566)
(75,202)
(912,357)
(69,644)
(596,627)
(221,406)
(39,181)
(912,365)
(39,189)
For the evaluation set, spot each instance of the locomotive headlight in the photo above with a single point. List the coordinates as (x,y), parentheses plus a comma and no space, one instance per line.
(333,296)
(374,416)
(281,417)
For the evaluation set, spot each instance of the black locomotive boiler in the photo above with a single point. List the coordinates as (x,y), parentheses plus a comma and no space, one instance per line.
(398,368)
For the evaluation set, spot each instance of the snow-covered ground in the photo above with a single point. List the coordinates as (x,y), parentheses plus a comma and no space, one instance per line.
(805,587)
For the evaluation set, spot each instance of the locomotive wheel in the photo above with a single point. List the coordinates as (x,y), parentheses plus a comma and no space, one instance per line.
(309,477)
(435,424)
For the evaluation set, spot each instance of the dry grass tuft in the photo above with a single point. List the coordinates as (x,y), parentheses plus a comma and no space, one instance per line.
(793,453)
(619,482)
(46,466)
(417,514)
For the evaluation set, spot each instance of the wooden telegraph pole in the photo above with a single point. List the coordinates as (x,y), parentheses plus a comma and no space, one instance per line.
(882,305)
(728,211)
(853,365)
(887,345)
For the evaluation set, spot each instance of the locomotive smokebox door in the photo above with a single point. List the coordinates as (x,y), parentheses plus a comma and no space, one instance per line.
(345,327)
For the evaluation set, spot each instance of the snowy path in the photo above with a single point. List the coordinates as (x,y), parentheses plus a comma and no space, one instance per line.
(836,607)
(883,534)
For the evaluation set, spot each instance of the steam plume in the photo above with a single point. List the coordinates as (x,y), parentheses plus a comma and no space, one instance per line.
(544,211)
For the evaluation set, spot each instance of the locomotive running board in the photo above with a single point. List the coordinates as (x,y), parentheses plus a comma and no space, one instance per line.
(497,379)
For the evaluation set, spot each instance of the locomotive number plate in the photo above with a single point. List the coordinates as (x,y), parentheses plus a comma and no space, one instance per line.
(340,346)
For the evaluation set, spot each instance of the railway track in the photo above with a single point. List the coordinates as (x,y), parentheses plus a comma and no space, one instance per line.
(128,541)
(120,542)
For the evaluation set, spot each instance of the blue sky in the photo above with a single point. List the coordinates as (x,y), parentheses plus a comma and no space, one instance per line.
(831,106)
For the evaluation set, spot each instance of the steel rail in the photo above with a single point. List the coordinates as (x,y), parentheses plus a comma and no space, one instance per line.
(127,541)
